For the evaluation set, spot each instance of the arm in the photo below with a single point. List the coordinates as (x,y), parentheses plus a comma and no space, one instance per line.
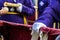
(45,20)
(47,17)
(27,7)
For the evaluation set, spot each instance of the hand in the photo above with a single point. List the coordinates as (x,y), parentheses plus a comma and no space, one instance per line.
(37,26)
(4,10)
(19,9)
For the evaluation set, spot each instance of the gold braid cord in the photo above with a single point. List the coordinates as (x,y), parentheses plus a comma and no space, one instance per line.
(11,4)
(14,5)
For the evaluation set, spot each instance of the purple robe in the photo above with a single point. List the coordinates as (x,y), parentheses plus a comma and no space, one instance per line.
(50,14)
(27,9)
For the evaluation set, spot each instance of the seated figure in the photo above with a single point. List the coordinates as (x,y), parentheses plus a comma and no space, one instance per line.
(47,18)
(26,8)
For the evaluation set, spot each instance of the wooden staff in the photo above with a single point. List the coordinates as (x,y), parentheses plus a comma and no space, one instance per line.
(36,9)
(54,25)
(58,25)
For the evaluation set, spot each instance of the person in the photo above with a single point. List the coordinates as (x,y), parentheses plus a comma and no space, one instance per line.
(26,8)
(42,4)
(48,17)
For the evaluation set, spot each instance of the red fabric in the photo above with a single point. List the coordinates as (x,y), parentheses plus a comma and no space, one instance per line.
(52,32)
(31,18)
(13,24)
(20,33)
(1,23)
(15,31)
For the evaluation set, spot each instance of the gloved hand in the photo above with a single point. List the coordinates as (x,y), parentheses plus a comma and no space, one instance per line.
(37,26)
(4,10)
(19,9)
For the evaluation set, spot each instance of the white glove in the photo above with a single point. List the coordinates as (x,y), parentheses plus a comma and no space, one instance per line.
(19,9)
(37,26)
(5,8)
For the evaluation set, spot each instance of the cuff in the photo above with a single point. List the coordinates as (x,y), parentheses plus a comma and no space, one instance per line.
(19,9)
(39,25)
